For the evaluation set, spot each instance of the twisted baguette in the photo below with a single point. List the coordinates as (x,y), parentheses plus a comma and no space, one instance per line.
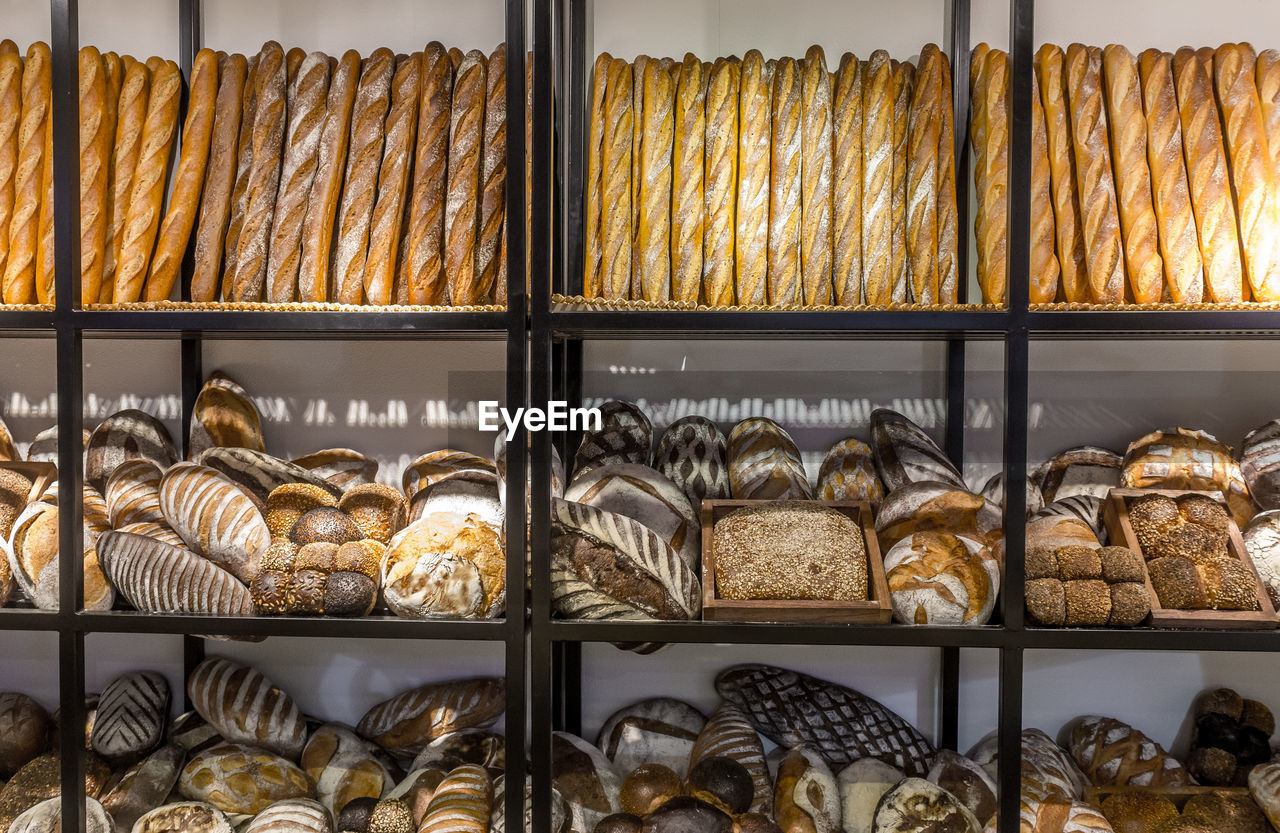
(922,176)
(215,205)
(1104,256)
(687,196)
(456,57)
(393,181)
(425,244)
(877,179)
(131,114)
(637,148)
(655,183)
(8,47)
(249,280)
(114,68)
(95,150)
(1268,78)
(1044,260)
(785,183)
(1184,275)
(461,211)
(720,184)
(240,187)
(751,243)
(978,129)
(44,228)
(816,173)
(592,227)
(846,191)
(493,176)
(10,118)
(615,179)
(948,218)
(1050,73)
(900,265)
(20,271)
(993,200)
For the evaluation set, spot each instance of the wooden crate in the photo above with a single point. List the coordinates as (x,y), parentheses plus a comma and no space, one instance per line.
(875,610)
(1178,795)
(1116,516)
(41,475)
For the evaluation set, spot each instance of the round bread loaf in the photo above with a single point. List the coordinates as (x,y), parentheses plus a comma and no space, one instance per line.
(693,454)
(1262,540)
(934,506)
(936,578)
(1085,470)
(1178,458)
(640,492)
(24,731)
(624,435)
(764,463)
(242,779)
(848,472)
(445,565)
(126,435)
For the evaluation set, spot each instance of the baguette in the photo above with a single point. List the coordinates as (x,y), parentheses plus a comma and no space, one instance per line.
(687,196)
(978,128)
(1268,78)
(846,189)
(131,115)
(720,184)
(456,57)
(655,183)
(1103,253)
(8,47)
(147,191)
(393,182)
(877,179)
(637,147)
(493,176)
(45,241)
(326,185)
(215,205)
(922,176)
(1184,274)
(615,183)
(785,183)
(816,173)
(593,268)
(1234,67)
(1051,75)
(240,186)
(10,118)
(1207,179)
(20,267)
(1128,128)
(95,150)
(114,68)
(368,117)
(1045,269)
(248,282)
(425,255)
(461,209)
(197,132)
(292,64)
(751,243)
(948,218)
(993,199)
(900,265)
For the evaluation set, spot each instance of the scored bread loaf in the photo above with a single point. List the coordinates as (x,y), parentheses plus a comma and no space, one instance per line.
(461,803)
(10,118)
(20,267)
(785,183)
(424,257)
(922,176)
(592,227)
(326,185)
(240,186)
(1179,245)
(1104,257)
(877,179)
(899,268)
(267,143)
(44,223)
(687,151)
(1051,76)
(1207,179)
(95,151)
(816,172)
(751,237)
(720,184)
(653,241)
(393,182)
(309,92)
(147,190)
(215,205)
(978,128)
(616,173)
(493,177)
(846,183)
(1113,753)
(197,133)
(407,722)
(246,707)
(948,216)
(1044,260)
(462,202)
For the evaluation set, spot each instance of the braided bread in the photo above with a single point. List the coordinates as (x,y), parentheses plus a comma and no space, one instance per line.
(1044,260)
(493,177)
(785,183)
(720,185)
(95,150)
(751,243)
(615,187)
(1104,256)
(393,180)
(461,215)
(592,228)
(877,179)
(20,267)
(1050,73)
(846,190)
(240,186)
(922,176)
(688,149)
(903,77)
(215,205)
(654,232)
(249,280)
(425,243)
(10,117)
(948,218)
(815,192)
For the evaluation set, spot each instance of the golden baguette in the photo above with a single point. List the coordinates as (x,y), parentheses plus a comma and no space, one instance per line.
(688,150)
(592,227)
(846,191)
(292,64)
(720,184)
(654,235)
(114,68)
(240,186)
(922,176)
(1179,246)
(900,265)
(1234,67)
(8,47)
(751,238)
(368,118)
(615,179)
(948,216)
(993,201)
(20,267)
(131,114)
(1268,78)
(493,176)
(1103,250)
(462,209)
(1051,75)
(785,183)
(10,118)
(637,148)
(979,79)
(456,57)
(815,176)
(215,205)
(184,201)
(252,248)
(877,179)
(393,182)
(44,229)
(1043,288)
(425,255)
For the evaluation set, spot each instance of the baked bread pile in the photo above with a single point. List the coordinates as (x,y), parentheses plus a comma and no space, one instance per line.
(1086,585)
(782,182)
(1155,177)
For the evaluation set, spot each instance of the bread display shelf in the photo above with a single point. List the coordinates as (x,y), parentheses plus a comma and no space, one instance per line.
(875,610)
(1116,516)
(228,306)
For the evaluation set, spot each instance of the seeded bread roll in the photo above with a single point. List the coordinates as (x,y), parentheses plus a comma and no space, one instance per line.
(220,174)
(147,191)
(654,231)
(720,185)
(493,177)
(751,238)
(592,225)
(466,140)
(877,179)
(688,151)
(95,150)
(240,186)
(368,117)
(10,118)
(1234,71)
(20,268)
(816,173)
(1044,260)
(188,182)
(393,181)
(425,255)
(637,147)
(922,176)
(948,218)
(846,191)
(1179,245)
(993,202)
(785,183)
(249,280)
(903,78)
(616,154)
(1103,252)
(1051,75)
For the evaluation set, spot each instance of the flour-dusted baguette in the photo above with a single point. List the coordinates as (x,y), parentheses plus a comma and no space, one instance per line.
(654,231)
(978,129)
(215,518)
(10,118)
(246,707)
(1268,77)
(616,173)
(993,195)
(249,279)
(1051,75)
(406,723)
(687,195)
(593,265)
(308,95)
(1132,174)
(147,190)
(751,238)
(900,264)
(424,258)
(948,216)
(20,267)
(462,200)
(637,146)
(877,179)
(44,221)
(1179,245)
(1208,180)
(922,176)
(393,182)
(215,204)
(240,186)
(292,64)
(1250,164)
(816,174)
(131,114)
(720,183)
(493,177)
(785,183)
(364,155)
(846,189)
(1104,255)
(197,133)
(1044,259)
(95,151)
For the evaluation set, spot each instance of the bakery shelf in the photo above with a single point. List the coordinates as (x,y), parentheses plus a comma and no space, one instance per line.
(28,620)
(292,324)
(764,633)
(1149,639)
(1116,324)
(918,324)
(21,322)
(382,627)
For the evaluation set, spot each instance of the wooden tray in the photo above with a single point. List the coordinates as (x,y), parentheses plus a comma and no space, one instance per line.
(1178,795)
(41,475)
(876,610)
(1116,516)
